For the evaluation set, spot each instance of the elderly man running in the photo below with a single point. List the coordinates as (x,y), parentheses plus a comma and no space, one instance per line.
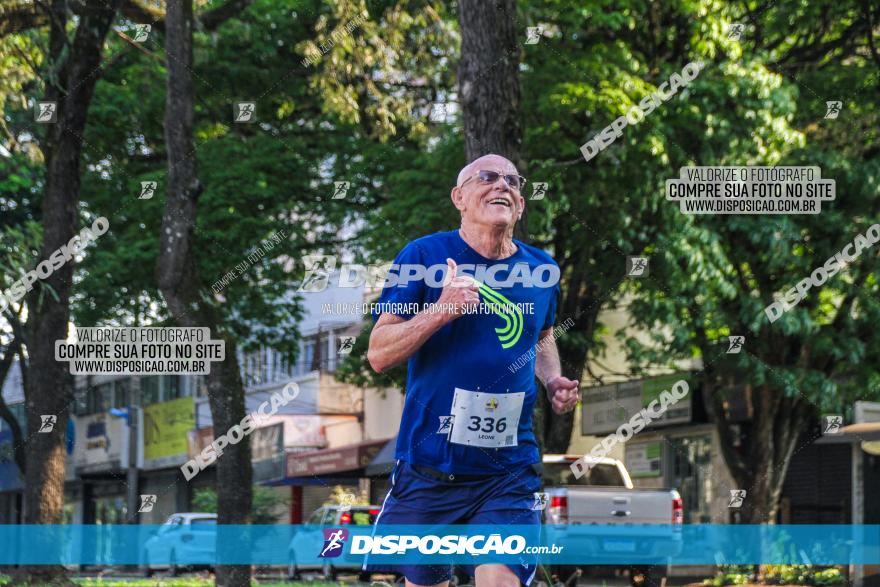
(466,452)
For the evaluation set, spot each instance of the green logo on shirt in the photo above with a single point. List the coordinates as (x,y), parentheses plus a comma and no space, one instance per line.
(513,319)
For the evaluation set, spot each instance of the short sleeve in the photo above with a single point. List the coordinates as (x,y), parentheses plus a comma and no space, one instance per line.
(550,318)
(399,298)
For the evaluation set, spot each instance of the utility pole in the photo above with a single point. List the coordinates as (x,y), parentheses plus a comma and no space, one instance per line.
(134,400)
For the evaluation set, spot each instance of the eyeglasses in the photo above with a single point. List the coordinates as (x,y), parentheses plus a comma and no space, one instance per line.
(488,177)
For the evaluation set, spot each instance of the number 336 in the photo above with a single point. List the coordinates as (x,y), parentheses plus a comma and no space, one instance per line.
(487,424)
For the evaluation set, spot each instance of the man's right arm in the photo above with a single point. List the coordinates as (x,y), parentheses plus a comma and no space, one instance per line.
(394,339)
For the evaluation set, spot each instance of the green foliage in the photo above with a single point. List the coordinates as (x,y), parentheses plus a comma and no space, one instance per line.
(777,575)
(710,276)
(360,113)
(22,243)
(266,503)
(727,579)
(205,500)
(713,275)
(259,181)
(802,575)
(396,44)
(732,575)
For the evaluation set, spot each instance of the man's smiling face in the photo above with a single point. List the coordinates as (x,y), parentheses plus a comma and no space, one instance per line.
(495,204)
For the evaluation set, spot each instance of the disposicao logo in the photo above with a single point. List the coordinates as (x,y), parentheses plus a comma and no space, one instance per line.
(513,319)
(334,539)
(448,544)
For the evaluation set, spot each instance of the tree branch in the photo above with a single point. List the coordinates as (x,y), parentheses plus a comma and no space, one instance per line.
(122,53)
(812,53)
(139,14)
(23,56)
(843,312)
(869,34)
(212,19)
(17,21)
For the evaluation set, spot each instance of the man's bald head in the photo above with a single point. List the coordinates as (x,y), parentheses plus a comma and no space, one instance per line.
(492,162)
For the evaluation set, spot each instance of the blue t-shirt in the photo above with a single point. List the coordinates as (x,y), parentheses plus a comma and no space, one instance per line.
(489,351)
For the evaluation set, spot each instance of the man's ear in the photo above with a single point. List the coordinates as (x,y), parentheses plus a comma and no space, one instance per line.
(457,198)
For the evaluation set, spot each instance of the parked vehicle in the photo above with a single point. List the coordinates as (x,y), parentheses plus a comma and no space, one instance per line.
(182,537)
(305,540)
(605,496)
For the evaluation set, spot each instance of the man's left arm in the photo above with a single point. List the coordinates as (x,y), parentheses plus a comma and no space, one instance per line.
(562,392)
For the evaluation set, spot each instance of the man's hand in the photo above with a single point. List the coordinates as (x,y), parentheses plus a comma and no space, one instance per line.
(459,291)
(394,339)
(563,394)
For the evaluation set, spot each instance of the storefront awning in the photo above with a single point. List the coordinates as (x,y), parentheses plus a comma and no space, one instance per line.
(344,462)
(383,463)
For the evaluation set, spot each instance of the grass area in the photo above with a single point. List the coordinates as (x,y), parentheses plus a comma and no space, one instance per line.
(176,582)
(170,582)
(187,582)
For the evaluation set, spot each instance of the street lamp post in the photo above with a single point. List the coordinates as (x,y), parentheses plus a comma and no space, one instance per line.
(133,473)
(130,414)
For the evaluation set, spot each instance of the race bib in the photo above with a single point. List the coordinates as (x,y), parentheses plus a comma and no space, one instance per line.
(485,419)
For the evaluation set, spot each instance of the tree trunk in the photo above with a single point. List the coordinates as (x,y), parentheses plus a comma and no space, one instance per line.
(71,83)
(180,284)
(766,444)
(488,84)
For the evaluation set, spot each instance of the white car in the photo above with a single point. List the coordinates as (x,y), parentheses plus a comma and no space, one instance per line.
(182,537)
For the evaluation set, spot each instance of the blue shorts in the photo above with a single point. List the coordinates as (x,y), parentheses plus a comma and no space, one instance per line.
(416,498)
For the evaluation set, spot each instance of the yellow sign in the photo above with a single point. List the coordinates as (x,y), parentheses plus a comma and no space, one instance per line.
(166,426)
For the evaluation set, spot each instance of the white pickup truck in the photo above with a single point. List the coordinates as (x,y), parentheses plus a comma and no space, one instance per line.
(603,496)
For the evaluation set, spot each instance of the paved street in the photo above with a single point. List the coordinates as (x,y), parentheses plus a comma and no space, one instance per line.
(271,579)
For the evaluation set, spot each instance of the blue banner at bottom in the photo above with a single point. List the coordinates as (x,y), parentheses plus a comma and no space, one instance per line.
(305,545)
